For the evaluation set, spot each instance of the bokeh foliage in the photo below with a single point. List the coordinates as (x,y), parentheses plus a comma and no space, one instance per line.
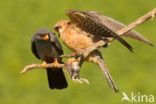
(133,72)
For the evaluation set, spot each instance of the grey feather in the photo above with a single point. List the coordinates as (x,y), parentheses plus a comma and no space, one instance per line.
(115,26)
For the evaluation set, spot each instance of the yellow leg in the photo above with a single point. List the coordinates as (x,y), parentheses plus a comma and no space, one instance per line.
(56,63)
(92,59)
(71,60)
(71,54)
(44,64)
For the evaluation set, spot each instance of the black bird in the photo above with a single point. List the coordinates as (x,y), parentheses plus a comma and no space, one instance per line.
(46,47)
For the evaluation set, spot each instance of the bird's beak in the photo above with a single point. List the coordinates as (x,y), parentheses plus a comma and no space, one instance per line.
(56,28)
(46,37)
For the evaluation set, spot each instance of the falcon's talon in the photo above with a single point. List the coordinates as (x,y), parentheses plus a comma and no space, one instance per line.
(44,64)
(75,54)
(56,63)
(71,60)
(80,80)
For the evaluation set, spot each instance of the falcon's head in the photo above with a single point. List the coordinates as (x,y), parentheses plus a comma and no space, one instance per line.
(42,34)
(61,26)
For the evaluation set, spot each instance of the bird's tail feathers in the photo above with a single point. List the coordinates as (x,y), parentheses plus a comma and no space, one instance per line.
(56,78)
(100,61)
(109,79)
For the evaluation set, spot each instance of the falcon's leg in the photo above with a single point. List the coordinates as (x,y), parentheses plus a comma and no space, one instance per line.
(96,57)
(71,60)
(56,63)
(74,54)
(44,64)
(81,80)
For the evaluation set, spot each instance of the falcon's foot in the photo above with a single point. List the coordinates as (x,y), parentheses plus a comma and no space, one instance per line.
(56,63)
(74,54)
(73,67)
(80,80)
(71,60)
(44,64)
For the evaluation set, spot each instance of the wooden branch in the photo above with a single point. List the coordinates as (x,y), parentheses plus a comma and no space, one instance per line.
(33,66)
(147,16)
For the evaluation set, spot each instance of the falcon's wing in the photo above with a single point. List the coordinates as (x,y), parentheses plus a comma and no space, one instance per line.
(33,48)
(94,27)
(109,24)
(55,42)
(116,26)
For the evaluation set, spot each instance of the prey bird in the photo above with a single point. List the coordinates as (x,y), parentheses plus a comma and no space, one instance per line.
(85,28)
(46,47)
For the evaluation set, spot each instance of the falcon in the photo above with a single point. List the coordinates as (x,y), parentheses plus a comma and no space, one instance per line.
(46,47)
(85,28)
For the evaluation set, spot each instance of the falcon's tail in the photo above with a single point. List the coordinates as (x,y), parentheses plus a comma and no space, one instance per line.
(109,79)
(97,58)
(56,78)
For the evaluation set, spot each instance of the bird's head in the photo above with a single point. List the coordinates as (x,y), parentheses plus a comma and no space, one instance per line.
(43,34)
(61,26)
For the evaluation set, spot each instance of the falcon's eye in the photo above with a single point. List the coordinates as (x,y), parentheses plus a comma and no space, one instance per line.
(68,23)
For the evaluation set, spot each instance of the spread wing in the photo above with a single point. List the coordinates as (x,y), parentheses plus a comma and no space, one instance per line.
(100,24)
(94,27)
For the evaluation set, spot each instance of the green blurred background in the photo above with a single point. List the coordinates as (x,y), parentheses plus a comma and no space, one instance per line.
(133,72)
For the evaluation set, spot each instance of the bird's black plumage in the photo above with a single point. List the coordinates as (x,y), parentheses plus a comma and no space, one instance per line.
(49,50)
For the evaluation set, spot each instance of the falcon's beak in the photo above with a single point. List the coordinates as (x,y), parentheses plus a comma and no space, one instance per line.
(45,37)
(56,27)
